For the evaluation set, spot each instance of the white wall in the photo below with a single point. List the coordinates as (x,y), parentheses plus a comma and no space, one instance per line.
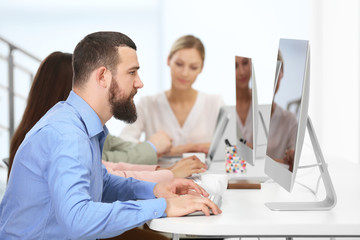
(42,27)
(245,28)
(252,28)
(335,87)
(230,27)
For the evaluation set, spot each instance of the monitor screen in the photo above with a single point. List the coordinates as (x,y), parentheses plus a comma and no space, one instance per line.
(246,109)
(217,146)
(288,112)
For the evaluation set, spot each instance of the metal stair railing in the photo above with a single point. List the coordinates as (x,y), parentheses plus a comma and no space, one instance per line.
(10,88)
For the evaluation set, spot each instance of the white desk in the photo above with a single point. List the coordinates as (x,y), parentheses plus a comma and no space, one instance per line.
(245,215)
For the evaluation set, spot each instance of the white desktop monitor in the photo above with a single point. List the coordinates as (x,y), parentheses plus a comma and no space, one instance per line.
(246,118)
(287,128)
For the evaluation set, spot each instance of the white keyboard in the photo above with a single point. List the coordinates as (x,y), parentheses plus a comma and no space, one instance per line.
(196,177)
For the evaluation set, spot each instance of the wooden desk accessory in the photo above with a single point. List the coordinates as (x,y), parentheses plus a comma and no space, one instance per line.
(243,184)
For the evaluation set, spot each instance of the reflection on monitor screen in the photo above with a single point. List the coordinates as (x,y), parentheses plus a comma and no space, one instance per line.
(288,121)
(246,109)
(287,89)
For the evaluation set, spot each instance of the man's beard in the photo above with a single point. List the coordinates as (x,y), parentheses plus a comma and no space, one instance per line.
(123,109)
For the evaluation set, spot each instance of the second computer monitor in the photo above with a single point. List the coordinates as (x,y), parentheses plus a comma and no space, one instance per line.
(289,112)
(246,109)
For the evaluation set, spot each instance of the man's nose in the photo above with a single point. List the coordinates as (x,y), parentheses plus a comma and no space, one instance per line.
(138,83)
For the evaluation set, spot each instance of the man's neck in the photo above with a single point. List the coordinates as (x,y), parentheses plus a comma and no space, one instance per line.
(95,103)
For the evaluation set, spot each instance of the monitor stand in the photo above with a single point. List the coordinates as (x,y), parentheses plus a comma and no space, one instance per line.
(262,120)
(330,200)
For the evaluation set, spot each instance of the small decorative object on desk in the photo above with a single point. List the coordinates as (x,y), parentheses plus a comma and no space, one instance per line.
(233,162)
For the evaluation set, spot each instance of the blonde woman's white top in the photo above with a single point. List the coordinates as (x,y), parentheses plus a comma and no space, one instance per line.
(244,131)
(155,114)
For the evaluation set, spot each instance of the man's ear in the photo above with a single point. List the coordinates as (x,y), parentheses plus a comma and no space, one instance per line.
(103,76)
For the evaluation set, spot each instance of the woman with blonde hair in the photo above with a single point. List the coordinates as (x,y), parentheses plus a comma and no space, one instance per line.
(187,115)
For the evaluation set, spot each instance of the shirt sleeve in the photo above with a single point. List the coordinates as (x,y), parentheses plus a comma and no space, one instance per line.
(140,172)
(119,188)
(121,166)
(109,210)
(117,150)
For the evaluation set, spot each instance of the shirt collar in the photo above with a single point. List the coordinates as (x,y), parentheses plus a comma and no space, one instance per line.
(87,114)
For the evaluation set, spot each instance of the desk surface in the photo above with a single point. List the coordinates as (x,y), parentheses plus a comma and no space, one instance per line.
(244,212)
(252,172)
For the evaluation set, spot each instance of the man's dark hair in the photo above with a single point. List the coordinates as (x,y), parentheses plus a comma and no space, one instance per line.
(96,50)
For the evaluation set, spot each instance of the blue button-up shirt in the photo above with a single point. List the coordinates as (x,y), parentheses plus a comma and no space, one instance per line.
(58,188)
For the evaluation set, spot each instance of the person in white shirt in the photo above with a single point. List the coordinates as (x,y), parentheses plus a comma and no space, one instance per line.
(243,99)
(283,128)
(188,116)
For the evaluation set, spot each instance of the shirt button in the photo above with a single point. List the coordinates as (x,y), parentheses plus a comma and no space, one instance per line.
(155,213)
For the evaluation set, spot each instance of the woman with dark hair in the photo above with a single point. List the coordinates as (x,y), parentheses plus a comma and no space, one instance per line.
(51,84)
